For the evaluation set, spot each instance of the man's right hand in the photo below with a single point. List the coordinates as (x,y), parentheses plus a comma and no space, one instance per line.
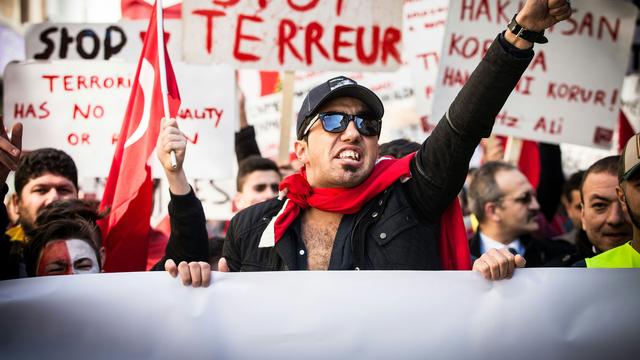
(10,149)
(195,273)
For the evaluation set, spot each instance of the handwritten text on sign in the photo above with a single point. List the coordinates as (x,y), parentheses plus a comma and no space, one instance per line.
(122,40)
(356,35)
(570,92)
(78,107)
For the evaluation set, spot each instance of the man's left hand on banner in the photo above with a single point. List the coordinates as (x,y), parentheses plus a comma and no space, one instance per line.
(498,264)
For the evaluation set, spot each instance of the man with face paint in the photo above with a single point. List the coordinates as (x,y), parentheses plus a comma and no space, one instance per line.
(626,255)
(64,247)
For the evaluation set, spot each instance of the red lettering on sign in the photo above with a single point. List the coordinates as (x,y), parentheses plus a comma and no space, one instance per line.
(425,58)
(472,10)
(338,43)
(539,60)
(585,26)
(22,111)
(96,111)
(241,56)
(524,85)
(468,47)
(375,40)
(391,41)
(225,3)
(338,7)
(453,77)
(575,93)
(312,35)
(81,139)
(286,31)
(507,120)
(193,140)
(50,78)
(552,127)
(209,14)
(308,6)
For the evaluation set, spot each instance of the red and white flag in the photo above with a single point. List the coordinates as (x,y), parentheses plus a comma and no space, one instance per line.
(129,189)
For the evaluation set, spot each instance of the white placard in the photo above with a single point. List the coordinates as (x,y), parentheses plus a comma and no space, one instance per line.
(424,24)
(354,35)
(570,92)
(97,41)
(78,107)
(538,314)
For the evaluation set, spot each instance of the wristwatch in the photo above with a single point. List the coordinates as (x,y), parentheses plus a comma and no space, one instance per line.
(531,36)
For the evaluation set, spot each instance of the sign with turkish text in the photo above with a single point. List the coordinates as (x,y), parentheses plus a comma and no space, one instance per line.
(330,35)
(571,91)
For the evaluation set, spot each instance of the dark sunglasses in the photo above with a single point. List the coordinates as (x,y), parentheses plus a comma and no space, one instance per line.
(262,187)
(337,122)
(524,199)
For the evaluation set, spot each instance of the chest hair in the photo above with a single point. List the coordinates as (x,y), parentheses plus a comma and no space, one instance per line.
(318,237)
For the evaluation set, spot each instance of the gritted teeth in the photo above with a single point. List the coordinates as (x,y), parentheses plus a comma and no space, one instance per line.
(349,154)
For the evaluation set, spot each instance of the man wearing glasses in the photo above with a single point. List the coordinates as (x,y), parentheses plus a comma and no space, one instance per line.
(505,204)
(347,210)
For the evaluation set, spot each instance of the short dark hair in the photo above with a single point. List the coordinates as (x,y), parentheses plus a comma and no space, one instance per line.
(72,209)
(484,188)
(41,161)
(572,184)
(398,148)
(608,165)
(60,229)
(251,164)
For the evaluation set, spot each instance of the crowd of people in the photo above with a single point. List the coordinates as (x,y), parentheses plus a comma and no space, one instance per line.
(349,203)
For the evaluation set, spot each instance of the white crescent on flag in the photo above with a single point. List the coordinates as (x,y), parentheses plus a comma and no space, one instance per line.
(146,80)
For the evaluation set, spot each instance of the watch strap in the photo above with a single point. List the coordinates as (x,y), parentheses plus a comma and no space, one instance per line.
(523,33)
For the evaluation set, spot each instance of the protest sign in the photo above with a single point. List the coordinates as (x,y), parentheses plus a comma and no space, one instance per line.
(355,35)
(99,41)
(424,23)
(571,90)
(78,107)
(538,314)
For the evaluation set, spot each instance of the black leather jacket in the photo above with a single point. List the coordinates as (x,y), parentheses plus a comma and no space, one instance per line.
(399,228)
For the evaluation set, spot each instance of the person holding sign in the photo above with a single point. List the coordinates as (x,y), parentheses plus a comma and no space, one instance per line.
(347,210)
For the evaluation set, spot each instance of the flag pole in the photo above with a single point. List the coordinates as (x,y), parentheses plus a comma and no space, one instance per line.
(163,71)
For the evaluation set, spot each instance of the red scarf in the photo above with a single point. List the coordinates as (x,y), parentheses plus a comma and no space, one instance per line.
(454,248)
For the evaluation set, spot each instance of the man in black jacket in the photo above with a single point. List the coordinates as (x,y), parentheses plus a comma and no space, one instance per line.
(391,227)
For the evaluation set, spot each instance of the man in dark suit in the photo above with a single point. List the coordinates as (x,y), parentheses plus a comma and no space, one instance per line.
(506,206)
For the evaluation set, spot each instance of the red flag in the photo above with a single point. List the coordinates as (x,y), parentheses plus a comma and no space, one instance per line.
(128,192)
(142,9)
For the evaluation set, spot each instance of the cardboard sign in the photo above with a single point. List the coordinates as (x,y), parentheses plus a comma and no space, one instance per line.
(424,23)
(570,92)
(587,314)
(354,35)
(121,41)
(78,107)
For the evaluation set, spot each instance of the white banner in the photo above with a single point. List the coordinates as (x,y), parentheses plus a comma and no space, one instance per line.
(98,41)
(538,314)
(354,35)
(571,91)
(78,107)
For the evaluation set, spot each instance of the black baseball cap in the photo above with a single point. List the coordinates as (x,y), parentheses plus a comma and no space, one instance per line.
(334,88)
